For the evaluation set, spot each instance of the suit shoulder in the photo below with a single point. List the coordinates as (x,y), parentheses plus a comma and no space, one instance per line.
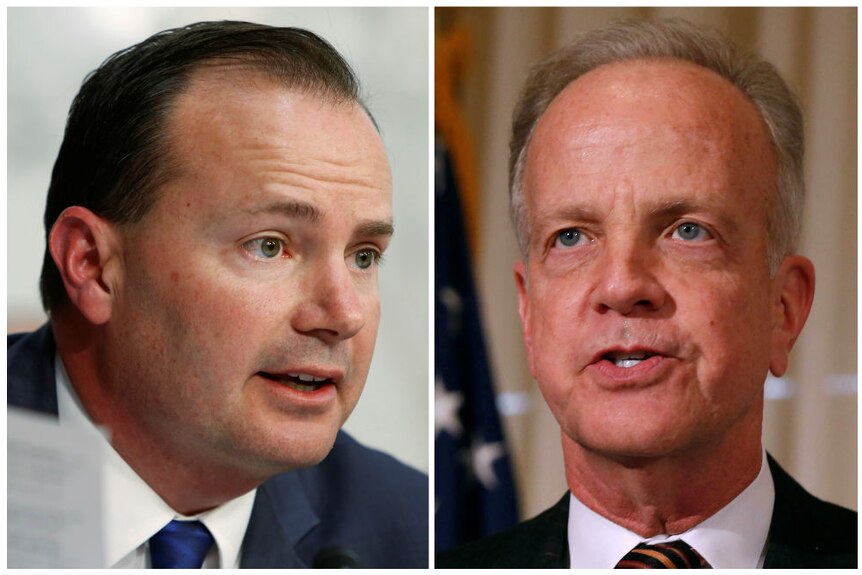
(381,504)
(831,528)
(30,371)
(13,338)
(493,551)
(29,346)
(383,471)
(536,543)
(361,476)
(807,531)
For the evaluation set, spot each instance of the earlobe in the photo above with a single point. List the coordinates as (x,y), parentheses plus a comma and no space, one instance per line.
(794,284)
(84,248)
(524,309)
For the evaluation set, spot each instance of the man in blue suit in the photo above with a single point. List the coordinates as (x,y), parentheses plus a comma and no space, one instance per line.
(215,220)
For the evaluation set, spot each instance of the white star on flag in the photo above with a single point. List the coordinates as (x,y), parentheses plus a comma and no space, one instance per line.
(483,457)
(446,406)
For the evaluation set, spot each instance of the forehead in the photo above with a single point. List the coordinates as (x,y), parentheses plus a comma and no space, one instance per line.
(228,121)
(650,116)
(661,89)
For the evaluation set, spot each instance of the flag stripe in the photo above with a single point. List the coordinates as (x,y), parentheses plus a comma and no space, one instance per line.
(474,485)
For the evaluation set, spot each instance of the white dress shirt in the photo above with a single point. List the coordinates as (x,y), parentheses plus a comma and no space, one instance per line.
(733,538)
(133,512)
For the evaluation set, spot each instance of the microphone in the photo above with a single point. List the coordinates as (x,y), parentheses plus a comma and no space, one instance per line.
(335,558)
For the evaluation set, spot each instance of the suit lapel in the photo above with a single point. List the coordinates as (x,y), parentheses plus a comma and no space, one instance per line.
(552,537)
(787,535)
(280,518)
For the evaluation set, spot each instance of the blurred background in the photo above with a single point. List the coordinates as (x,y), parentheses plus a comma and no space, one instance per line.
(482,56)
(51,50)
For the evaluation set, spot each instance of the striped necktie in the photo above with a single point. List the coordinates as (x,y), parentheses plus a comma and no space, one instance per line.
(671,555)
(180,545)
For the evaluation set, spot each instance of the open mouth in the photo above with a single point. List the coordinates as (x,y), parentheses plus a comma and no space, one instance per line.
(297,381)
(627,359)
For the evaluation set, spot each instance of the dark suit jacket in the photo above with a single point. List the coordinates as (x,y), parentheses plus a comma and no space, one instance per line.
(805,533)
(358,499)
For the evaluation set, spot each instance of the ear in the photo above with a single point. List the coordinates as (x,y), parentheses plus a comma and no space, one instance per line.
(85,249)
(524,309)
(792,296)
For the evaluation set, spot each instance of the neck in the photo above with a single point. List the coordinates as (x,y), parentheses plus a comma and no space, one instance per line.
(661,495)
(185,481)
(187,489)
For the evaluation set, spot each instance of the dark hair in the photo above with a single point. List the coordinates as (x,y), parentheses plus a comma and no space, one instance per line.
(113,157)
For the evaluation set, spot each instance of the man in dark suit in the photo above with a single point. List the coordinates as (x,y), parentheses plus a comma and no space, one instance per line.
(215,221)
(657,189)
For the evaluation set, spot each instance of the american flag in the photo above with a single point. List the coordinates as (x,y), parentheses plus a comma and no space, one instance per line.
(474,488)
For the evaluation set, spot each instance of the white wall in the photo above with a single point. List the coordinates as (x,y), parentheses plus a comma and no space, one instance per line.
(50,50)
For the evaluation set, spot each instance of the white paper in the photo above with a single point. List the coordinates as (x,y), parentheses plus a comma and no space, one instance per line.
(54,494)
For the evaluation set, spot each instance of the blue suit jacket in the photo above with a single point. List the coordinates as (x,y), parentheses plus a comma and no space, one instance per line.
(357,499)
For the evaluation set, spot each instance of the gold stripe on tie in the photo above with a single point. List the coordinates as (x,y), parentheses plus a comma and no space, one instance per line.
(670,555)
(681,555)
(656,555)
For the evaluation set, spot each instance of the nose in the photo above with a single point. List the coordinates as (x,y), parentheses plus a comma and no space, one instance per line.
(626,280)
(331,307)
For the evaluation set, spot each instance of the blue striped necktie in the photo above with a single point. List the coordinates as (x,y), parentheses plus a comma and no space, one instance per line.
(180,545)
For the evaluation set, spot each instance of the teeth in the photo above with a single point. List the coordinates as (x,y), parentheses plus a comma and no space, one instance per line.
(626,360)
(307,377)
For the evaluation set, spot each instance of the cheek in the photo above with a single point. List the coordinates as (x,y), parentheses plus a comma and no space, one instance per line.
(557,331)
(557,316)
(212,307)
(204,322)
(365,340)
(368,293)
(730,326)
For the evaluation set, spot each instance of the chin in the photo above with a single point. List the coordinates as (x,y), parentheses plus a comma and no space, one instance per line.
(629,441)
(302,445)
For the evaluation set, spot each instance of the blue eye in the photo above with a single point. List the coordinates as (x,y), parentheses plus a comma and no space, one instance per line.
(691,231)
(568,238)
(366,258)
(265,248)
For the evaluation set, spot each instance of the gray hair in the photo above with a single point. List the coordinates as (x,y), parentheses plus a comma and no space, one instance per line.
(757,79)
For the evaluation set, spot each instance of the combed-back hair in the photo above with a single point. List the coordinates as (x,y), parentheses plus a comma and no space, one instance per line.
(757,79)
(115,154)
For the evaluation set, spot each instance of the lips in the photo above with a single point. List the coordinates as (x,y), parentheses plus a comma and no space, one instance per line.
(299,380)
(627,359)
(630,367)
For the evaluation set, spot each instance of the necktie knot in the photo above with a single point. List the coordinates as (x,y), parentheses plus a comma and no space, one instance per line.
(671,555)
(180,545)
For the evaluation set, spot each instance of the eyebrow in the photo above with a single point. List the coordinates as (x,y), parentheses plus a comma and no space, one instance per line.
(290,208)
(678,208)
(673,208)
(308,212)
(375,228)
(569,213)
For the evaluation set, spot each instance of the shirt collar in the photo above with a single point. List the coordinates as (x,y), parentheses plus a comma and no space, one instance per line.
(733,537)
(133,512)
